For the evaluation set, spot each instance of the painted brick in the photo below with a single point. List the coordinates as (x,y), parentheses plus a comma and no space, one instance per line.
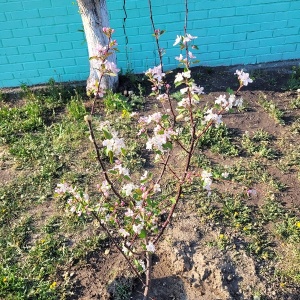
(16,41)
(272,41)
(220,47)
(283,48)
(247,28)
(41,22)
(114,5)
(209,23)
(276,7)
(8,7)
(29,4)
(284,31)
(294,5)
(10,69)
(6,34)
(274,25)
(9,51)
(42,39)
(20,58)
(293,14)
(36,65)
(233,37)
(222,13)
(250,10)
(258,51)
(260,34)
(50,56)
(31,49)
(56,29)
(268,57)
(3,60)
(58,46)
(261,18)
(198,14)
(232,53)
(265,1)
(245,44)
(293,22)
(51,12)
(2,17)
(62,62)
(292,39)
(9,25)
(26,74)
(17,33)
(81,61)
(234,20)
(66,19)
(30,14)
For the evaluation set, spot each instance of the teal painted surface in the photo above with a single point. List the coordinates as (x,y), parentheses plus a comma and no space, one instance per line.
(40,39)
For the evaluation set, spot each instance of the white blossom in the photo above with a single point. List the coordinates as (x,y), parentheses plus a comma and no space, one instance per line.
(128,188)
(150,247)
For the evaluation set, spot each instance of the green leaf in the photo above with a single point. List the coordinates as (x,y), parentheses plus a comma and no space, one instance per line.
(124,152)
(113,171)
(126,177)
(168,145)
(143,234)
(107,134)
(111,157)
(230,91)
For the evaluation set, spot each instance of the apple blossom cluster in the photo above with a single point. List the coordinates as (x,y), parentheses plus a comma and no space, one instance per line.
(156,76)
(102,65)
(183,40)
(78,202)
(161,134)
(114,144)
(243,77)
(207,181)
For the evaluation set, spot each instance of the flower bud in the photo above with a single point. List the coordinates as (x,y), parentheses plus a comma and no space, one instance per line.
(179,117)
(87,118)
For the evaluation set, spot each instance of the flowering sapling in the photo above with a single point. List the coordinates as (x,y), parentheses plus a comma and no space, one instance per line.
(129,206)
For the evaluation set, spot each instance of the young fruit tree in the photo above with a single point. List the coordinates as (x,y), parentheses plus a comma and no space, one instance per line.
(95,20)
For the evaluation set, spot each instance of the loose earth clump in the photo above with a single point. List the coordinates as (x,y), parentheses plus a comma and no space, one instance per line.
(241,242)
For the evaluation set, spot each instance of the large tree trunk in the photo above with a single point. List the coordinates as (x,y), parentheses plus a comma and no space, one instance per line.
(94,17)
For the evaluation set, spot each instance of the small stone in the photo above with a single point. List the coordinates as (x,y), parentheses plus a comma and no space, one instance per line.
(229,277)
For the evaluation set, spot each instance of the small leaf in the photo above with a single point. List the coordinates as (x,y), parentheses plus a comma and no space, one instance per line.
(143,234)
(111,157)
(230,91)
(107,134)
(168,145)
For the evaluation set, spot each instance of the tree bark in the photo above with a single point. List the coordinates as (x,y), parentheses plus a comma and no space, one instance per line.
(94,17)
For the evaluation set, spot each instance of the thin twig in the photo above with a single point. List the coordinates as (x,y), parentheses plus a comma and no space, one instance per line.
(117,246)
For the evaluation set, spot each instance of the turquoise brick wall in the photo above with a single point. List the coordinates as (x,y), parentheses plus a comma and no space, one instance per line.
(40,39)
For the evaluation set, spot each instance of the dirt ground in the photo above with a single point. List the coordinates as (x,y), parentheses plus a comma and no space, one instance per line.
(186,266)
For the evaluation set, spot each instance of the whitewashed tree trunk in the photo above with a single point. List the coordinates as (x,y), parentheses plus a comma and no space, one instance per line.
(94,17)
